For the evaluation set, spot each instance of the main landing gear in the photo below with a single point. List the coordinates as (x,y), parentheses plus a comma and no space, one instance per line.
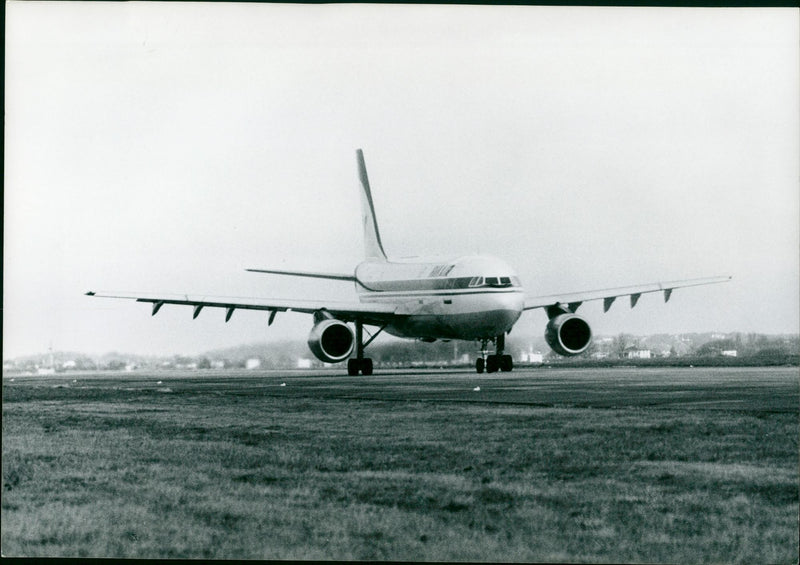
(361,364)
(498,361)
(364,366)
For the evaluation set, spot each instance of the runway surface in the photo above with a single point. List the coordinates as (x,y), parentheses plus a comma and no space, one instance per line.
(637,465)
(749,389)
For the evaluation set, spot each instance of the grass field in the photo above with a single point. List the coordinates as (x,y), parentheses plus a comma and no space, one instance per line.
(610,465)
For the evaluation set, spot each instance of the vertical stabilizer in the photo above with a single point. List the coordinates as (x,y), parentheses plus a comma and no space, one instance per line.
(373,247)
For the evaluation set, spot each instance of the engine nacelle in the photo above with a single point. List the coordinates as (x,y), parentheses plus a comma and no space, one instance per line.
(331,341)
(568,334)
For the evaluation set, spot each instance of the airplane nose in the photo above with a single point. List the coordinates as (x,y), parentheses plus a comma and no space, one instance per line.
(512,301)
(506,310)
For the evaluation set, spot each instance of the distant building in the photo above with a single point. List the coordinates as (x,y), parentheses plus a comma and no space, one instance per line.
(253,364)
(303,363)
(636,353)
(729,353)
(532,357)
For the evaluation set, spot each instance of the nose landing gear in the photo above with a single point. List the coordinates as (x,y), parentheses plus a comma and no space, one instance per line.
(498,361)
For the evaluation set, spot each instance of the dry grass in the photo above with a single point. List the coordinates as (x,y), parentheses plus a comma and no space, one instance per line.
(405,468)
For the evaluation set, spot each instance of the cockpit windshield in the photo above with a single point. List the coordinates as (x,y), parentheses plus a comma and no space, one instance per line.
(497,282)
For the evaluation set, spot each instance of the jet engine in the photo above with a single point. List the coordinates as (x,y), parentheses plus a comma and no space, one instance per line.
(331,341)
(568,334)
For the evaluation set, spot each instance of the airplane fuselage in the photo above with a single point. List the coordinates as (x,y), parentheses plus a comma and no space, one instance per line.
(473,297)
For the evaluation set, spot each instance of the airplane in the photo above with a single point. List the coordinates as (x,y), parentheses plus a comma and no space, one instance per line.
(473,297)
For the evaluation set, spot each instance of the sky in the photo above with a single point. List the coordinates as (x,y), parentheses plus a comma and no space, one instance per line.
(166,147)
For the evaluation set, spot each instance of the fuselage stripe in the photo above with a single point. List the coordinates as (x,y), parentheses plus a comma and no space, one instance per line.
(423,293)
(445,283)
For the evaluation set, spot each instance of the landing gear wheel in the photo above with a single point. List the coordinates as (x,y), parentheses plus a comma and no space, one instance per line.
(492,364)
(362,365)
(479,364)
(506,363)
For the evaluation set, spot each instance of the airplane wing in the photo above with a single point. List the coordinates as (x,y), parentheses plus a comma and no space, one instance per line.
(372,314)
(574,299)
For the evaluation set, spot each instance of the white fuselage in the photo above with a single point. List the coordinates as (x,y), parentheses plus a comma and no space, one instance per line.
(474,297)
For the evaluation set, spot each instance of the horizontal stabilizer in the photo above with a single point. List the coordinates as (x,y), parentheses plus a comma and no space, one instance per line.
(312,274)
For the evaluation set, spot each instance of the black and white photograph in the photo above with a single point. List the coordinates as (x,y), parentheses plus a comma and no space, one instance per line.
(401,282)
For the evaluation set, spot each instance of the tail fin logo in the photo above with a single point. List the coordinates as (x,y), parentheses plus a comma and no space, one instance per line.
(373,248)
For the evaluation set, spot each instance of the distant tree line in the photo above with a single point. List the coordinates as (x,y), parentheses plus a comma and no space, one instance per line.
(696,349)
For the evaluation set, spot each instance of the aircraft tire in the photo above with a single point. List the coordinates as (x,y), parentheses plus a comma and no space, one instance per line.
(492,364)
(479,364)
(352,367)
(366,367)
(506,363)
